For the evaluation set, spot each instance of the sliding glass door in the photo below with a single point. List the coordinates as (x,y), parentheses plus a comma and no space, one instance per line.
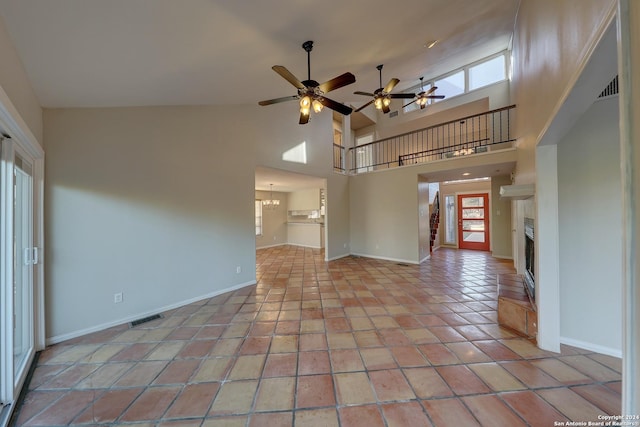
(19,258)
(24,258)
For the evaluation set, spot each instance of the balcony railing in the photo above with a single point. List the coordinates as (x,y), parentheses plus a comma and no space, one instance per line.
(338,158)
(467,135)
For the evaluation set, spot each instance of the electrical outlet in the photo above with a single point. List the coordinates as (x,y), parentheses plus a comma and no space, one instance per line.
(117,298)
(238,270)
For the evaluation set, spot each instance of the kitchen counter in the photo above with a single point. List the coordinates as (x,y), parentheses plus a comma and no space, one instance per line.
(309,234)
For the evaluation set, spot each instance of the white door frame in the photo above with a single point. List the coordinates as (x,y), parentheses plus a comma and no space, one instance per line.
(18,138)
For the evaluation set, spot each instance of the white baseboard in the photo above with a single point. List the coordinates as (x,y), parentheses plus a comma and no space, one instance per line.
(428,257)
(591,347)
(304,246)
(502,257)
(405,261)
(337,257)
(75,334)
(271,246)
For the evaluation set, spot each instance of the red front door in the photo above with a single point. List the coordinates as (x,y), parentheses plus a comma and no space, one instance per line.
(473,221)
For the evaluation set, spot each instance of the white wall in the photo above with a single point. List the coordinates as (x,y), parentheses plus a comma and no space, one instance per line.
(591,231)
(15,83)
(158,203)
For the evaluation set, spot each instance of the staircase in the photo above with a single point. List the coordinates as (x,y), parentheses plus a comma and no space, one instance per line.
(434,221)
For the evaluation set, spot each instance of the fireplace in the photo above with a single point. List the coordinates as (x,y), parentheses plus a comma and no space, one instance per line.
(529,259)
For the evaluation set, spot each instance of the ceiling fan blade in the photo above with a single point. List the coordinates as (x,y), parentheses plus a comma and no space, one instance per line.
(405,106)
(363,93)
(385,109)
(304,118)
(288,76)
(431,90)
(392,83)
(278,100)
(364,106)
(337,82)
(435,96)
(403,95)
(336,106)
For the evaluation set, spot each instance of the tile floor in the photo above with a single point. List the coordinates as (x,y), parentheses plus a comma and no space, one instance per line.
(353,342)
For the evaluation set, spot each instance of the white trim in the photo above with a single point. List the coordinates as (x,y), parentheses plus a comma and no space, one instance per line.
(6,270)
(271,246)
(17,127)
(547,248)
(337,257)
(502,257)
(591,347)
(428,257)
(64,337)
(406,261)
(304,246)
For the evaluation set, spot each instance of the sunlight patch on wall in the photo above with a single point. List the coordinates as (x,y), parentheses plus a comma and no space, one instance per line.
(297,154)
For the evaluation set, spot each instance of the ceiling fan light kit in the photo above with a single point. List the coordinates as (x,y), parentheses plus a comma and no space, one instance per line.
(382,96)
(310,93)
(423,97)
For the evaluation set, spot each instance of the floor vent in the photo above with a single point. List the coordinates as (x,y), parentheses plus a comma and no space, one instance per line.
(402,264)
(145,320)
(611,89)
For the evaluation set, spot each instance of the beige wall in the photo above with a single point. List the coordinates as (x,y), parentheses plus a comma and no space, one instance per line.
(274,221)
(158,203)
(424,199)
(552,40)
(389,127)
(501,229)
(15,83)
(384,205)
(461,188)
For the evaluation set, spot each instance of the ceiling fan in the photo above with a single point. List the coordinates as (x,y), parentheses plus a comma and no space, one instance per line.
(382,96)
(423,96)
(310,92)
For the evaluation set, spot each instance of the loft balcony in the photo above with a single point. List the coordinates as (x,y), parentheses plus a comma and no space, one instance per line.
(465,136)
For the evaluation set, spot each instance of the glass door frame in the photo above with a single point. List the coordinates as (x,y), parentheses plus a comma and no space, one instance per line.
(28,149)
(485,245)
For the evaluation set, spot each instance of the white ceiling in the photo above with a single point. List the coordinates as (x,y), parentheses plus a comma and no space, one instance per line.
(113,53)
(109,53)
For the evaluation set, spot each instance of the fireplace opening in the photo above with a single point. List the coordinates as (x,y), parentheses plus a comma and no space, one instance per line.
(529,258)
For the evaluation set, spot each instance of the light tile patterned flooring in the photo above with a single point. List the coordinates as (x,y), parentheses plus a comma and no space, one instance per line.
(353,342)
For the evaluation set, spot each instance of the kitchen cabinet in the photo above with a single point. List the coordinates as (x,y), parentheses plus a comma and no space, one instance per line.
(304,200)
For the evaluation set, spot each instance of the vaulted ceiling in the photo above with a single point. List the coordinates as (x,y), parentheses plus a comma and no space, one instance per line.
(107,53)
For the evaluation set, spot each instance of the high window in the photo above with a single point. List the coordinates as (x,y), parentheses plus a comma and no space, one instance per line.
(474,76)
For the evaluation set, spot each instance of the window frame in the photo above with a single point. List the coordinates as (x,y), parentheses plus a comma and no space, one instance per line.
(428,83)
(258,218)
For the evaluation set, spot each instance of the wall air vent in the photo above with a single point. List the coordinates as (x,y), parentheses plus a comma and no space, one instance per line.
(145,320)
(393,113)
(611,89)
